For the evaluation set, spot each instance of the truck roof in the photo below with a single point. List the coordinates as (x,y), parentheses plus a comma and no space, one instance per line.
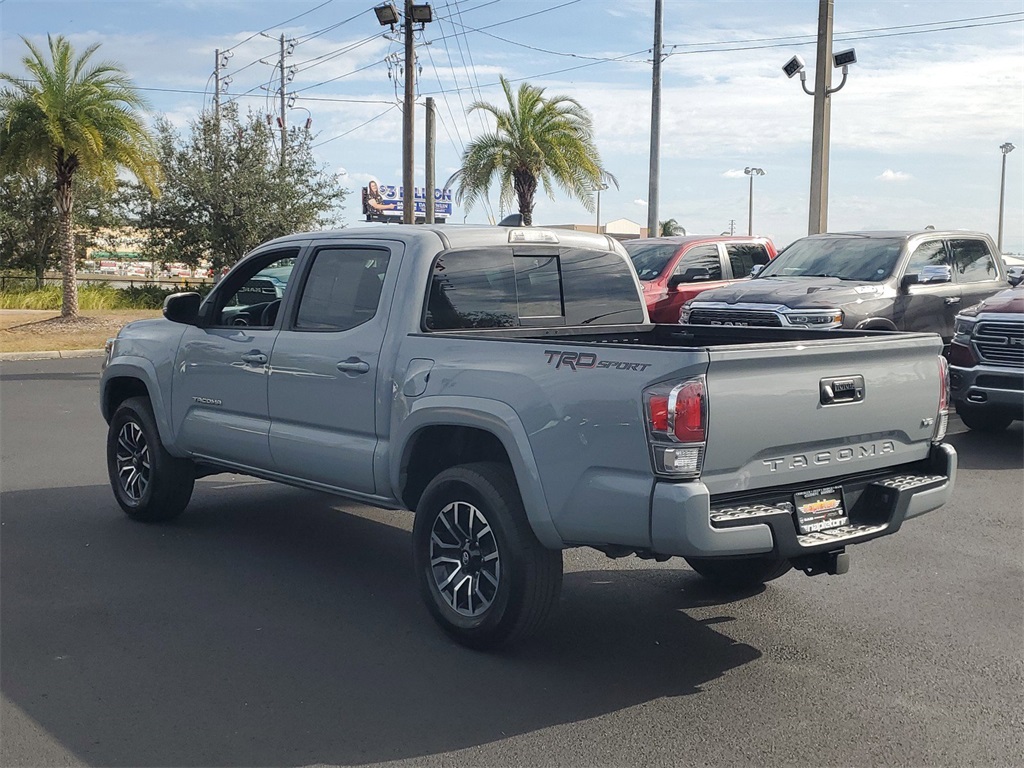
(467,235)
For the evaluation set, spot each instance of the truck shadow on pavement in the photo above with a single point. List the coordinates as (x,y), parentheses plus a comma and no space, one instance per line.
(990,450)
(266,628)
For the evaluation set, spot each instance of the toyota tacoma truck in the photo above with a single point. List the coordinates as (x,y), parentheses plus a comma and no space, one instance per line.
(507,386)
(986,362)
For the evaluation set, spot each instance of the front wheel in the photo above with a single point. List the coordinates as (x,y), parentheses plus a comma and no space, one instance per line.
(739,572)
(149,483)
(983,419)
(483,574)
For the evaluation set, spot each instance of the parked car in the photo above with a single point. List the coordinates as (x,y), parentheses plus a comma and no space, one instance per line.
(986,362)
(907,281)
(672,270)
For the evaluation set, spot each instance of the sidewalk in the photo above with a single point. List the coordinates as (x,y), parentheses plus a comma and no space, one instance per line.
(51,354)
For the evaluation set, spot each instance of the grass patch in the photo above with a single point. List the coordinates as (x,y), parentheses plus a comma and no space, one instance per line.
(91,297)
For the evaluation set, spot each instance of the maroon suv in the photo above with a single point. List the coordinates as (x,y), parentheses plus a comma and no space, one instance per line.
(673,270)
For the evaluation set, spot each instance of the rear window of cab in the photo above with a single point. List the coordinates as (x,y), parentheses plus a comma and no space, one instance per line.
(530,286)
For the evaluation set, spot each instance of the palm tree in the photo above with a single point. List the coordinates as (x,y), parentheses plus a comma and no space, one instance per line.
(670,228)
(73,116)
(542,140)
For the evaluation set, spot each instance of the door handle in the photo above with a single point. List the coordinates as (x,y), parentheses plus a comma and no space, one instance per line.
(255,357)
(952,300)
(353,365)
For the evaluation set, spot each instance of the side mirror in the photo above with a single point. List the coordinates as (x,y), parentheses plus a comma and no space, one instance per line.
(182,307)
(756,270)
(690,275)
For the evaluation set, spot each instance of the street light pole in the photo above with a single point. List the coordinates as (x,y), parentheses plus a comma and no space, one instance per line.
(408,120)
(821,138)
(654,172)
(752,172)
(1006,148)
(599,189)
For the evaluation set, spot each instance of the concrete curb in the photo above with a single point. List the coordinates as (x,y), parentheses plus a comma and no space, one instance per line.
(64,354)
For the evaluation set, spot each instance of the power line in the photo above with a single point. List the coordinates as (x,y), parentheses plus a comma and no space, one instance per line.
(852,31)
(281,24)
(346,133)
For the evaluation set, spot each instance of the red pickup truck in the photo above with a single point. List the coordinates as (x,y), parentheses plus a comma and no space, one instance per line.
(672,270)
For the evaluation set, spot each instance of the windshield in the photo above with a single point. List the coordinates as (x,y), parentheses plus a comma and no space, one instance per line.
(848,258)
(650,259)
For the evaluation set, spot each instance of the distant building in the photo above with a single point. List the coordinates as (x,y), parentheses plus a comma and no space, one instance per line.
(620,229)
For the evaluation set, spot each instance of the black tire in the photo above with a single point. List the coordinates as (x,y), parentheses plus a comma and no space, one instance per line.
(473,516)
(739,572)
(983,419)
(150,485)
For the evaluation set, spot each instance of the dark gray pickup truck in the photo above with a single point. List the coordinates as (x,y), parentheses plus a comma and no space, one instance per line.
(892,281)
(507,386)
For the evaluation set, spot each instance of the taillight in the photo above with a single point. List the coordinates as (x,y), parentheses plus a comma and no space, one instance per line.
(676,415)
(942,418)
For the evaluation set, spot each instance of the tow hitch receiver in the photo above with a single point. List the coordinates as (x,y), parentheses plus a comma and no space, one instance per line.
(833,563)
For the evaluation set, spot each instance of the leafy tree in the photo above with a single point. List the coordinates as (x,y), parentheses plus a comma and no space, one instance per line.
(73,117)
(226,190)
(670,228)
(30,225)
(537,140)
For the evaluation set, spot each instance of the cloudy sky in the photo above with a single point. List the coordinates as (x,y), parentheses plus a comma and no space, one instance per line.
(937,88)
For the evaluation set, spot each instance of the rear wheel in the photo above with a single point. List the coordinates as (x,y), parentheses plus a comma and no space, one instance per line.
(148,483)
(740,571)
(983,419)
(483,574)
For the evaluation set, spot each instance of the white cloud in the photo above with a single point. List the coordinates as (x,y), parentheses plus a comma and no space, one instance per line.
(890,175)
(733,173)
(640,202)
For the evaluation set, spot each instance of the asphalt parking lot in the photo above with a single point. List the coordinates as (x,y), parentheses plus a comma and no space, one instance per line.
(270,626)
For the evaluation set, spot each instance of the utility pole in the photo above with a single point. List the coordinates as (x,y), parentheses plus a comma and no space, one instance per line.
(216,86)
(1006,149)
(284,126)
(820,139)
(652,188)
(408,120)
(428,216)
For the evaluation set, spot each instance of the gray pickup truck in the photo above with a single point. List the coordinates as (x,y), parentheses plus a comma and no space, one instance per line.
(893,281)
(506,385)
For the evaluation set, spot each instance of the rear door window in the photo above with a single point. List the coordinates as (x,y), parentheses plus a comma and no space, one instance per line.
(972,261)
(342,289)
(743,257)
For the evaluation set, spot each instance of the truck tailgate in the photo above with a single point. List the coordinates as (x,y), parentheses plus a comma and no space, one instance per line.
(788,413)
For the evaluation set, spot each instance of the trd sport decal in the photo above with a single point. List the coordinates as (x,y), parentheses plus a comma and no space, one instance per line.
(576,360)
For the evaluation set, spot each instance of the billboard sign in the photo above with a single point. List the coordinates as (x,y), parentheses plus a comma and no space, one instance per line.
(442,199)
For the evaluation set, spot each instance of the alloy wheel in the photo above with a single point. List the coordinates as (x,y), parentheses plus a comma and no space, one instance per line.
(133,464)
(464,559)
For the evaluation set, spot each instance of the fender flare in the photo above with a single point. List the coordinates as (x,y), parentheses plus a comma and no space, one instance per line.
(500,420)
(132,367)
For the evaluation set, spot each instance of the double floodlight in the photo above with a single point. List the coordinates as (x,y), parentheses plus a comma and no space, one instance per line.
(840,59)
(387,14)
